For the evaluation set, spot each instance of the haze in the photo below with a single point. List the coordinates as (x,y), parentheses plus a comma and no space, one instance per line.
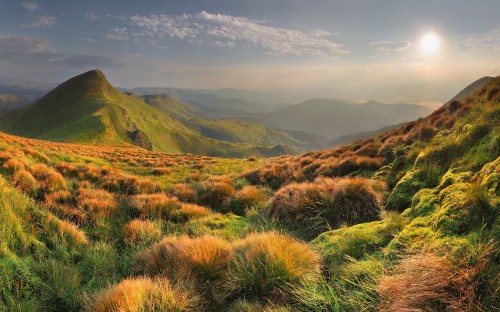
(356,50)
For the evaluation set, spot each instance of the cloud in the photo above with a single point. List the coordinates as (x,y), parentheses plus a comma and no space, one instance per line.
(30,6)
(228,32)
(24,45)
(488,41)
(392,46)
(117,33)
(41,21)
(91,16)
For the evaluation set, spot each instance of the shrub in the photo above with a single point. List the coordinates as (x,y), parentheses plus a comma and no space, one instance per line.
(141,232)
(155,206)
(244,199)
(269,265)
(205,257)
(24,181)
(327,203)
(420,281)
(193,211)
(143,294)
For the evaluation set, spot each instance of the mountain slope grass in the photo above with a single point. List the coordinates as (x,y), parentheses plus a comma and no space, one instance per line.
(407,220)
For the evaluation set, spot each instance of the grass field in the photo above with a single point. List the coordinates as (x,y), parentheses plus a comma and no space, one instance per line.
(405,221)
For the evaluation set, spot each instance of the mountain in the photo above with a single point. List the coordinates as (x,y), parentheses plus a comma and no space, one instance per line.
(332,118)
(10,102)
(471,88)
(351,138)
(233,130)
(212,106)
(88,109)
(252,96)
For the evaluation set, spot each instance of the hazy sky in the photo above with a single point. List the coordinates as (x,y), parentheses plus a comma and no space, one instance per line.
(353,49)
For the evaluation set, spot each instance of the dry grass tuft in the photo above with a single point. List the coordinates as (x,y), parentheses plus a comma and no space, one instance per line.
(268,264)
(24,181)
(205,257)
(143,294)
(421,282)
(141,232)
(193,211)
(155,206)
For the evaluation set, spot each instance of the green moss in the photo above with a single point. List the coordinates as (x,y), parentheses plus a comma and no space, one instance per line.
(423,203)
(400,197)
(356,241)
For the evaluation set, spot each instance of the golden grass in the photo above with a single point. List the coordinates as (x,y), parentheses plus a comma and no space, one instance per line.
(155,206)
(268,264)
(176,257)
(143,294)
(140,232)
(24,181)
(193,211)
(420,282)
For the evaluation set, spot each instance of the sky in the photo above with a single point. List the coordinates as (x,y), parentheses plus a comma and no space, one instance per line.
(389,50)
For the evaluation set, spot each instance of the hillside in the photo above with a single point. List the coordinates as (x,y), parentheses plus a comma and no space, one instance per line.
(233,130)
(333,118)
(406,220)
(88,109)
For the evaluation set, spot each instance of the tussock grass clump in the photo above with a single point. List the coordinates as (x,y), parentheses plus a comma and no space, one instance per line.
(143,294)
(421,281)
(71,233)
(96,203)
(269,265)
(327,203)
(25,181)
(193,211)
(155,206)
(183,192)
(13,165)
(141,232)
(205,258)
(215,191)
(130,185)
(48,179)
(244,199)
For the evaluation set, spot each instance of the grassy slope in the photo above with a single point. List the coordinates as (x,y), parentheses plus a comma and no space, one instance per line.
(87,109)
(444,197)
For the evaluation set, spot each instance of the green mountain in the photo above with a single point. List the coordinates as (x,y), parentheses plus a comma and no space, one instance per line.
(88,109)
(233,130)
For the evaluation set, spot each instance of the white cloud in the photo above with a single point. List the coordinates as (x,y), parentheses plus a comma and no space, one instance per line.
(23,44)
(488,41)
(117,33)
(229,31)
(30,6)
(392,46)
(41,21)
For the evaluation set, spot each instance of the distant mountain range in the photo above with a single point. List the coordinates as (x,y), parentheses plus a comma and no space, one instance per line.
(332,118)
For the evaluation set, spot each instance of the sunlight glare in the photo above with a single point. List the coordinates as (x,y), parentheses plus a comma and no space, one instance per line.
(430,44)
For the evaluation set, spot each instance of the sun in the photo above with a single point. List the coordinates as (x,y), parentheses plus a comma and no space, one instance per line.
(430,44)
